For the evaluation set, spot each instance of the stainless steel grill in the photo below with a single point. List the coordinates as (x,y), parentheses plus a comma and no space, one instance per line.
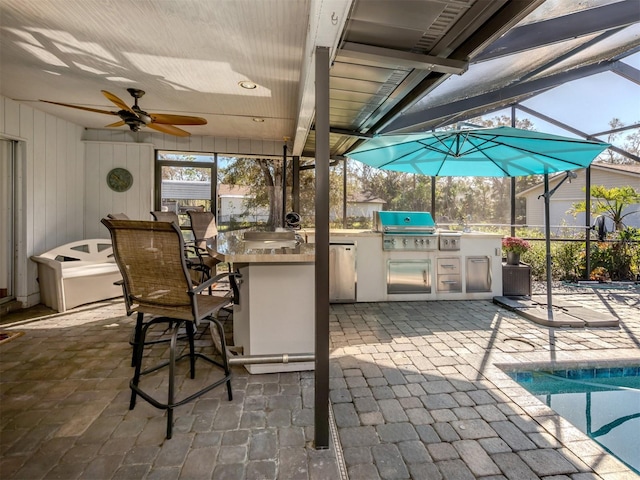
(412,231)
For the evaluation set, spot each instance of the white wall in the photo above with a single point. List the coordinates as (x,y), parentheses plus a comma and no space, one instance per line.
(573,192)
(62,193)
(61,179)
(363,209)
(49,190)
(233,146)
(100,158)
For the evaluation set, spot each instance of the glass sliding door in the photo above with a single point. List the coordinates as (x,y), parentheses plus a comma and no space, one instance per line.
(7,244)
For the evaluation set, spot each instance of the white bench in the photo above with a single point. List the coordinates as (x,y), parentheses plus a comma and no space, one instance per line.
(78,273)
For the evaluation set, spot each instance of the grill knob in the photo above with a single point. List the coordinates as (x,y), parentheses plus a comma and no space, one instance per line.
(404,241)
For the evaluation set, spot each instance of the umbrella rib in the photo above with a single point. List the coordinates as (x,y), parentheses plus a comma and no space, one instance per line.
(541,154)
(424,147)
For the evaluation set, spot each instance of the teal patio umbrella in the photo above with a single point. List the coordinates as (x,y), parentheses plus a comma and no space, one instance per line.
(483,152)
(479,152)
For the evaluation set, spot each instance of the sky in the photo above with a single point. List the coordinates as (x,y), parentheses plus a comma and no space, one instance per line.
(609,95)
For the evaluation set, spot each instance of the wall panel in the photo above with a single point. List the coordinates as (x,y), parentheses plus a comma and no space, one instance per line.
(160,141)
(100,200)
(50,198)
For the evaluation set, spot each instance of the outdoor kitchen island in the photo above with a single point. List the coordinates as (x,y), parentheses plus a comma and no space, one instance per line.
(405,258)
(275,314)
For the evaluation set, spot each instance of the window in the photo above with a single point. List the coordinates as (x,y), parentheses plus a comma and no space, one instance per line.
(183,182)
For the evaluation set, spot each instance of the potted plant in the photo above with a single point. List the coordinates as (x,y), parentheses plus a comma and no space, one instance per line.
(514,247)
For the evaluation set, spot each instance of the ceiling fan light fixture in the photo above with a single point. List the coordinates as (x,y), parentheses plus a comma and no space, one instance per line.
(135,118)
(248,85)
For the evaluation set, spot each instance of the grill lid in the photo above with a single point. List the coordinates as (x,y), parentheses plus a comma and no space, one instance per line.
(403,222)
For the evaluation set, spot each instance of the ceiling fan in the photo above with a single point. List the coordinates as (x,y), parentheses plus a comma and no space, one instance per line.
(135,117)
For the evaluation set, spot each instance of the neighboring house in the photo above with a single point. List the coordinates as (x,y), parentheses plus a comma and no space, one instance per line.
(363,205)
(607,175)
(232,204)
(232,200)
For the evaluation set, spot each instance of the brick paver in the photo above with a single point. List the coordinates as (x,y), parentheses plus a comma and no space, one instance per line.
(417,391)
(474,421)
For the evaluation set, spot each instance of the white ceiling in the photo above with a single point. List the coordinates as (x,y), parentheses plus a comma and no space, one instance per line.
(389,58)
(188,55)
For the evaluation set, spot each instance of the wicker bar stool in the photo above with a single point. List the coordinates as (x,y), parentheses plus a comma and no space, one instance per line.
(156,282)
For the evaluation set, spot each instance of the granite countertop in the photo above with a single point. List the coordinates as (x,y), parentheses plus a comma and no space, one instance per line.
(231,247)
(341,232)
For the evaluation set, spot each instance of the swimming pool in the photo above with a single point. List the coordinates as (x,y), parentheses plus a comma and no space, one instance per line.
(603,402)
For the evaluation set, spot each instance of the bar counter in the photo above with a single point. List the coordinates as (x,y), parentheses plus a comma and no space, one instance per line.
(231,247)
(276,309)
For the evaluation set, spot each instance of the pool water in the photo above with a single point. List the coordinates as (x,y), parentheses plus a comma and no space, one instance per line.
(604,403)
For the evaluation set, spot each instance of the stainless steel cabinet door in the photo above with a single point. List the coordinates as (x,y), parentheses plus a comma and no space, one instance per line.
(409,276)
(478,274)
(342,272)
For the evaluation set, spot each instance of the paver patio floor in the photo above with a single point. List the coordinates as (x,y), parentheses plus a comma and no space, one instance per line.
(417,390)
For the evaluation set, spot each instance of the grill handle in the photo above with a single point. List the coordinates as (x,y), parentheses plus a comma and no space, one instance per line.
(402,229)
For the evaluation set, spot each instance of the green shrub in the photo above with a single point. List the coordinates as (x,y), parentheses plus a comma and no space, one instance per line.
(617,260)
(568,260)
(536,258)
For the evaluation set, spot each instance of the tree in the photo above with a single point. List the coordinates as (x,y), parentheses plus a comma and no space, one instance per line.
(631,144)
(264,176)
(610,202)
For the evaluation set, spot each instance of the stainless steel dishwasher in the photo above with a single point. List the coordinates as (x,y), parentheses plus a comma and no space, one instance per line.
(342,272)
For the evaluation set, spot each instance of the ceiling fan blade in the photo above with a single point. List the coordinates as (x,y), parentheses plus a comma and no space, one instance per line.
(117,124)
(81,108)
(170,129)
(117,101)
(167,119)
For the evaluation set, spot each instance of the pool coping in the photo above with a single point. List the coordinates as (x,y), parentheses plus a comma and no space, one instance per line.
(574,442)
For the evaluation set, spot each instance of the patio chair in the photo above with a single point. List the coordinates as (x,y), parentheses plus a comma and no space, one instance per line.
(118,216)
(191,254)
(204,228)
(157,282)
(165,217)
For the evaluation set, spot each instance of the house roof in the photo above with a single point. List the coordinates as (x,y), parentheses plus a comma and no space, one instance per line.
(400,65)
(625,169)
(225,190)
(364,198)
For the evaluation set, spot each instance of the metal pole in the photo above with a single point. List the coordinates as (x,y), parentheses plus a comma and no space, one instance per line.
(321,405)
(587,220)
(433,198)
(547,234)
(271,358)
(214,187)
(344,194)
(295,188)
(284,183)
(513,182)
(513,206)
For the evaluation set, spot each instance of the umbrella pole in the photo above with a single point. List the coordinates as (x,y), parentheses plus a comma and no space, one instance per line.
(547,234)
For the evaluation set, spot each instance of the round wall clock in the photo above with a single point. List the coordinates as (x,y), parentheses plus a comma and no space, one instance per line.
(119,179)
